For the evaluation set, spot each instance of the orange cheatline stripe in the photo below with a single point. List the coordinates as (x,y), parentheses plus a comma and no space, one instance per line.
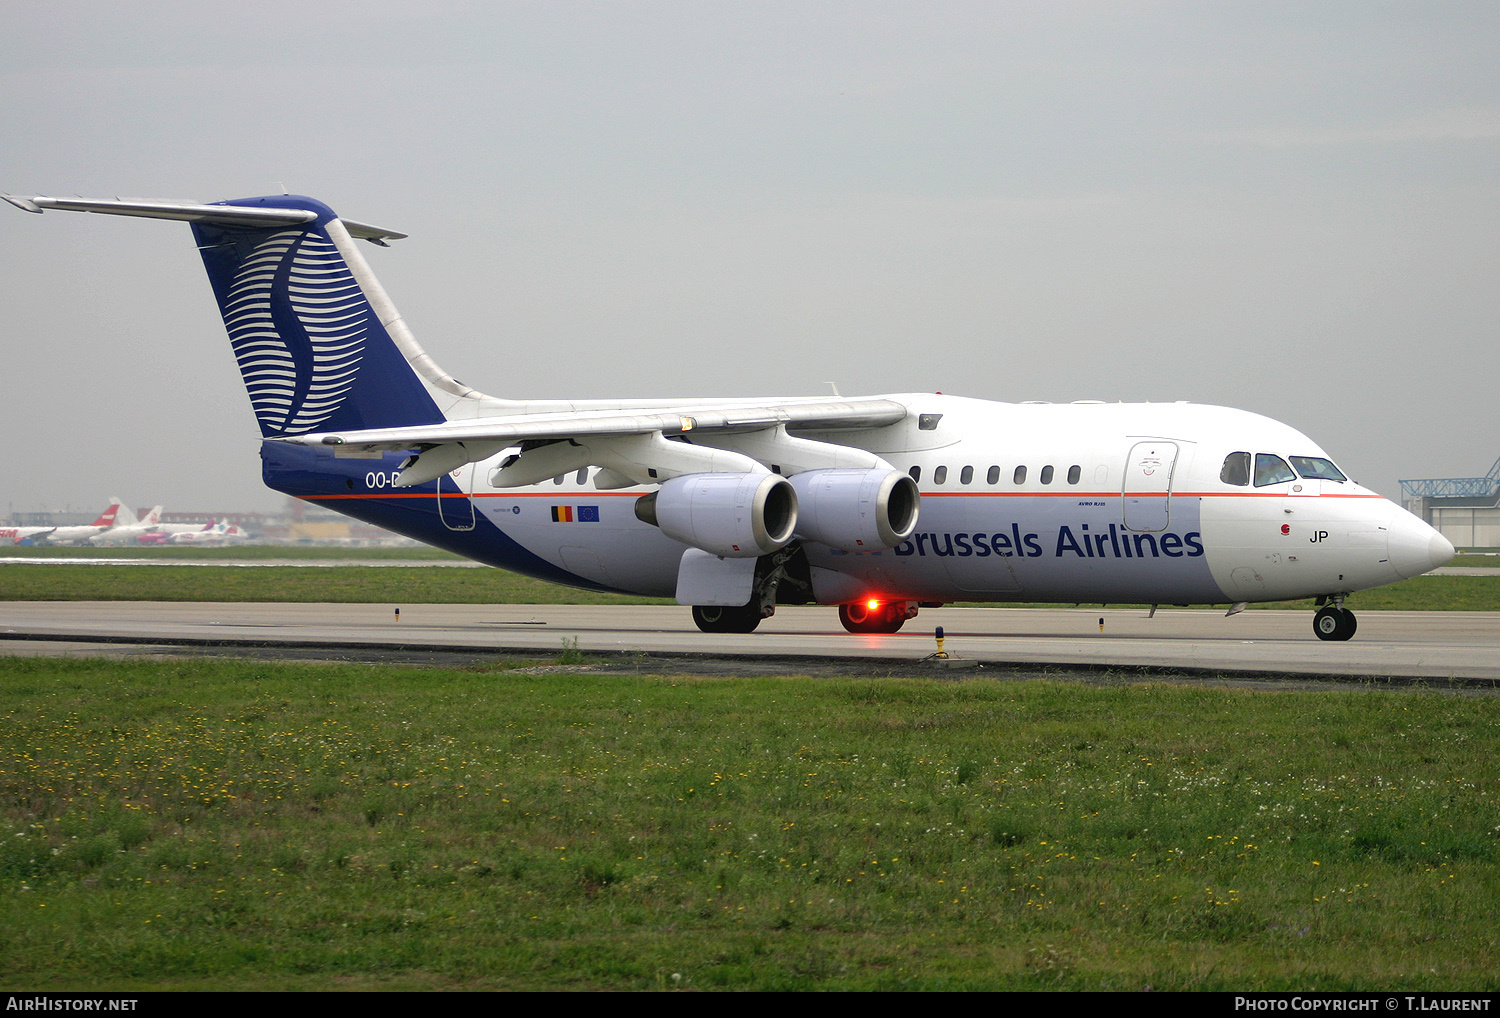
(331,498)
(557,494)
(1022,494)
(1132,494)
(478,494)
(925,494)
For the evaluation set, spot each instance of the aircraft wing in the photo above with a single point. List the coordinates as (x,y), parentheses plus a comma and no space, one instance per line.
(449,445)
(841,415)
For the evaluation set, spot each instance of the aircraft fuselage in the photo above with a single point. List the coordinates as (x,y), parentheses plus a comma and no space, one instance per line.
(1082,502)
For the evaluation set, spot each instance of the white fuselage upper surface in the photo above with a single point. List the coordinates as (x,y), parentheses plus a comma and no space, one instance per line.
(1026,502)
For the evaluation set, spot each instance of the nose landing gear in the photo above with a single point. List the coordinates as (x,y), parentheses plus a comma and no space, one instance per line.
(1334,621)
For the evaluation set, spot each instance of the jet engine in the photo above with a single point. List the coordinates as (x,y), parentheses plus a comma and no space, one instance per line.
(856,510)
(726,514)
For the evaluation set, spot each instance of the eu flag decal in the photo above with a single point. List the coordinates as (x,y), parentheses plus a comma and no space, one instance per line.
(575,514)
(588,514)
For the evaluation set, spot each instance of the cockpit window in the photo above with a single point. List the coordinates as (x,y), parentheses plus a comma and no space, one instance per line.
(1271,469)
(1236,469)
(1317,467)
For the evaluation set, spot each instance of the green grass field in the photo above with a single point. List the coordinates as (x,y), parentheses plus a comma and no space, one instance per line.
(368,584)
(352,584)
(235,825)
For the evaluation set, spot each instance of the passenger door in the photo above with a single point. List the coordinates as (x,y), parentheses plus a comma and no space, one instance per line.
(1146,495)
(455,506)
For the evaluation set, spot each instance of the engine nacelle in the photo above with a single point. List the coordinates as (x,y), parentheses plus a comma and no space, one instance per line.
(856,510)
(730,515)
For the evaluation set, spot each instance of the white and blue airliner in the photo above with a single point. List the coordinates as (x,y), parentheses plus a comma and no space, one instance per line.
(878,505)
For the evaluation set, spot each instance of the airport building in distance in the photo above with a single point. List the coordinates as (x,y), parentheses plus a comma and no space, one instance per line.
(1465,510)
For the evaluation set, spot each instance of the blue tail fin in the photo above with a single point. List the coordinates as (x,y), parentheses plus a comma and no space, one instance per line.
(308,324)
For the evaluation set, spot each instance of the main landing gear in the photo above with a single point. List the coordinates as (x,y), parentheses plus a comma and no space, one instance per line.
(1334,621)
(859,617)
(718,619)
(875,617)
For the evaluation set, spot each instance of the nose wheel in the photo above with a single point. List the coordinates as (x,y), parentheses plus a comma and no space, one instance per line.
(1334,623)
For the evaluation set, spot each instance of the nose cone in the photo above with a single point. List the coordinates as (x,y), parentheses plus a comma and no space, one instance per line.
(1415,548)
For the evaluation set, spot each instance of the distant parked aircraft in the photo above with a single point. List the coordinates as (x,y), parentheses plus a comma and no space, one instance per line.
(124,533)
(218,532)
(62,535)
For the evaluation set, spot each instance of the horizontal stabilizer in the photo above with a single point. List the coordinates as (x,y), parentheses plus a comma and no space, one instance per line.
(225,215)
(374,234)
(219,215)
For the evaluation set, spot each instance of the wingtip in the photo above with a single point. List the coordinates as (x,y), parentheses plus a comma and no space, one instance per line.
(374,234)
(23,203)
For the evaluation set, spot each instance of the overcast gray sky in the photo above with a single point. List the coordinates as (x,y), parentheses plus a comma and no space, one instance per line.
(1285,207)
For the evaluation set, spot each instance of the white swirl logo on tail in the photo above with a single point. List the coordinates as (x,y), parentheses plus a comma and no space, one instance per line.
(296,382)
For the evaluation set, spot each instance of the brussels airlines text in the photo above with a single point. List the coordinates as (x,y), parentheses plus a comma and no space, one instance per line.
(1116,542)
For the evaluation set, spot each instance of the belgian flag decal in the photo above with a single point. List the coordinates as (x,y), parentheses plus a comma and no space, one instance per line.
(575,514)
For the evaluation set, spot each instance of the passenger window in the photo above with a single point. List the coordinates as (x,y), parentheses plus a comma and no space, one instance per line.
(993,477)
(559,478)
(1019,477)
(1047,474)
(1074,473)
(966,475)
(916,474)
(940,475)
(1271,469)
(1236,469)
(1317,467)
(583,475)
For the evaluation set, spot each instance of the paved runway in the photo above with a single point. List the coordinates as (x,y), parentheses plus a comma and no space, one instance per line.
(377,563)
(259,563)
(1414,644)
